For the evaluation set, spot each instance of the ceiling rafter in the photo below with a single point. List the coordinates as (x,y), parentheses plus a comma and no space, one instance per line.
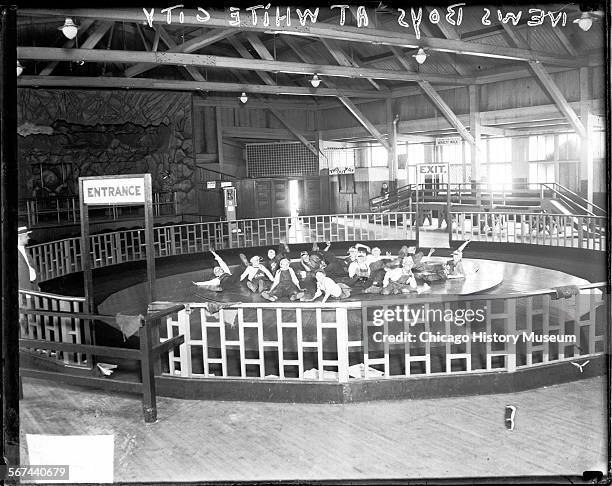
(193,60)
(188,46)
(180,85)
(437,100)
(342,59)
(243,51)
(548,83)
(48,69)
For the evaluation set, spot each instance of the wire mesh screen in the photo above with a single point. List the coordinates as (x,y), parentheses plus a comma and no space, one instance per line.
(280,159)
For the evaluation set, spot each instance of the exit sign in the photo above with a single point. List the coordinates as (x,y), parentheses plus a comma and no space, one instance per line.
(433,169)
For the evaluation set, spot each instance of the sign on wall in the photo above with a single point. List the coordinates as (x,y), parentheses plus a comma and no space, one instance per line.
(341,170)
(211,184)
(122,190)
(448,140)
(433,169)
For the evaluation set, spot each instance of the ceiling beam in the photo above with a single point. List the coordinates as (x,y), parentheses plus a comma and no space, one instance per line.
(189,46)
(350,106)
(169,41)
(48,69)
(160,84)
(565,42)
(436,99)
(342,59)
(193,60)
(449,32)
(219,19)
(446,110)
(549,84)
(496,131)
(243,51)
(295,133)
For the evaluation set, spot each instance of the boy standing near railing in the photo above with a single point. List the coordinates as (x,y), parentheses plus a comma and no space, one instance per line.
(28,276)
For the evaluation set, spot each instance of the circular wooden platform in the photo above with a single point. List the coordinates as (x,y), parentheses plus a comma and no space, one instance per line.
(489,276)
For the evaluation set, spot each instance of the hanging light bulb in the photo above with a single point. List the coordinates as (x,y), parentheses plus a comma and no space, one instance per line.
(585,21)
(315,81)
(243,97)
(19,68)
(69,28)
(420,56)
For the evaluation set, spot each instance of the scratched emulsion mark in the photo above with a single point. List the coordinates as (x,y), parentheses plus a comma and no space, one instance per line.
(270,16)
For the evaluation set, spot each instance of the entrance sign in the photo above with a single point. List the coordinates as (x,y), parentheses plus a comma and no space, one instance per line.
(122,190)
(116,190)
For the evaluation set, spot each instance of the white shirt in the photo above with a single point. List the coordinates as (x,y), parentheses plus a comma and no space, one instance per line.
(22,250)
(328,286)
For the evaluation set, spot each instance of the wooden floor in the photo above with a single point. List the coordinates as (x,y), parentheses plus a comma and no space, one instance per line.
(560,430)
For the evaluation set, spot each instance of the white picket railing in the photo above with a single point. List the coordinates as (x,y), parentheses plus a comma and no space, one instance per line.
(337,340)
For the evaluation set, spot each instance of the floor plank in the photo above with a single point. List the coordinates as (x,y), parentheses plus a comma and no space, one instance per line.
(559,430)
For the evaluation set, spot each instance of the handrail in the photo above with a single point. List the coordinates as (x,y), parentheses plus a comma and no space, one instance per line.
(217,172)
(149,352)
(552,186)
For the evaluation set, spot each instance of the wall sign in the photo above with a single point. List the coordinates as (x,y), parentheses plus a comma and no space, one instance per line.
(448,140)
(211,184)
(122,190)
(341,170)
(226,184)
(433,169)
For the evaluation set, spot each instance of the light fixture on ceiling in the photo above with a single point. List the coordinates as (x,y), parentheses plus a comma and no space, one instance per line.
(243,97)
(420,56)
(585,21)
(19,68)
(315,81)
(69,28)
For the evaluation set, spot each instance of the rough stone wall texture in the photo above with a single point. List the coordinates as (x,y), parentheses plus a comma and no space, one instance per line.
(65,134)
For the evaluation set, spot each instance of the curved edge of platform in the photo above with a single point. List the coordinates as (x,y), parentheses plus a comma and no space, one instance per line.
(423,387)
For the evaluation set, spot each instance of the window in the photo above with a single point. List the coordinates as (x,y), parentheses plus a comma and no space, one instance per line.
(569,146)
(415,153)
(451,153)
(599,145)
(379,156)
(346,183)
(500,150)
(539,172)
(542,147)
(498,176)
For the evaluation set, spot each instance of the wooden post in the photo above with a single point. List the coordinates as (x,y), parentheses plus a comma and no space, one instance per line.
(9,338)
(392,152)
(475,129)
(586,148)
(147,366)
(149,240)
(85,252)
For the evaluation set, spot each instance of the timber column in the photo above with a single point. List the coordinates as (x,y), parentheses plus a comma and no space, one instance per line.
(8,266)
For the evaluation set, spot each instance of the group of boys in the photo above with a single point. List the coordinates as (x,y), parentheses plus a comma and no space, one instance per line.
(320,273)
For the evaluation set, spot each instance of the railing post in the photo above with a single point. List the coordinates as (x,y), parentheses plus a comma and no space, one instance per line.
(147,366)
(342,341)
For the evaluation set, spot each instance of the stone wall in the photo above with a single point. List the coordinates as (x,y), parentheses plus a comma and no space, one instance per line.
(65,134)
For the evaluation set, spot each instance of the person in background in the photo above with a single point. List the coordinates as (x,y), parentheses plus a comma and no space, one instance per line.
(28,276)
(327,287)
(285,284)
(256,275)
(222,276)
(384,190)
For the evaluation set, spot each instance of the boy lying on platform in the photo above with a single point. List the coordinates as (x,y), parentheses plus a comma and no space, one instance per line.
(223,276)
(327,287)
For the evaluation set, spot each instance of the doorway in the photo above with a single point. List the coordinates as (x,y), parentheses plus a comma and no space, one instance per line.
(294,197)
